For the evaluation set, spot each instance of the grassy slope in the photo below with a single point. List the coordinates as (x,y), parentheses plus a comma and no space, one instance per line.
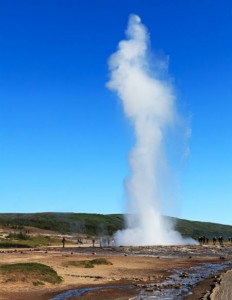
(35,273)
(196,229)
(91,224)
(96,224)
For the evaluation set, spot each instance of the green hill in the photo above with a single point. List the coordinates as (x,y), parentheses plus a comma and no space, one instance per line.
(97,224)
(196,229)
(90,224)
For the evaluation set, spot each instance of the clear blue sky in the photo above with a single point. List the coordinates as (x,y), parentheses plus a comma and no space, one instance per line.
(63,137)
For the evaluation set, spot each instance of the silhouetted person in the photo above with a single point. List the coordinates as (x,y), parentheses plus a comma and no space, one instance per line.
(63,242)
(220,239)
(214,240)
(202,240)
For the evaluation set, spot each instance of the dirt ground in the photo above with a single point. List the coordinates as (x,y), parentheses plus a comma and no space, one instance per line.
(129,267)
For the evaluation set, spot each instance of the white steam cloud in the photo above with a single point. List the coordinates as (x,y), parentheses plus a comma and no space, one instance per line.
(149,103)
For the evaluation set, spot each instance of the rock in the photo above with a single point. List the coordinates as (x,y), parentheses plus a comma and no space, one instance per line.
(149,290)
(183,275)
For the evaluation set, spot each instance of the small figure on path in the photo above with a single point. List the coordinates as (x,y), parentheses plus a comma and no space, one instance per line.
(214,240)
(79,241)
(63,242)
(220,240)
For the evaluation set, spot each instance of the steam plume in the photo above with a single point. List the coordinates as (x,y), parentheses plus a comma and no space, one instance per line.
(149,103)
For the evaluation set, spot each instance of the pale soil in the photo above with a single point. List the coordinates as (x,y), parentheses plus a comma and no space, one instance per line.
(125,269)
(223,291)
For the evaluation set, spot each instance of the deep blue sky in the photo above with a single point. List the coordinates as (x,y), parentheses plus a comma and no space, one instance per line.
(63,137)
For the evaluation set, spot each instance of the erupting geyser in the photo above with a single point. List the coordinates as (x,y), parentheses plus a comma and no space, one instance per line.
(149,103)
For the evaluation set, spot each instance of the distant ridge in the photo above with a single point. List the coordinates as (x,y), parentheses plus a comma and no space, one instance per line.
(99,224)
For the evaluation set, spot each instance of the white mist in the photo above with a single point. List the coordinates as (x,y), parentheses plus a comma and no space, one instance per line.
(149,104)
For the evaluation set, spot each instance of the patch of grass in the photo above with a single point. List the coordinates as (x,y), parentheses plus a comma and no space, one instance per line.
(80,264)
(40,240)
(88,263)
(7,245)
(101,261)
(18,236)
(37,283)
(30,242)
(29,272)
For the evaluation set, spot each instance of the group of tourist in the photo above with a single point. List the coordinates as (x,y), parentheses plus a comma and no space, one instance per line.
(204,240)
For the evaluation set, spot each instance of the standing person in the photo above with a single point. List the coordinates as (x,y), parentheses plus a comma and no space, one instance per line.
(63,242)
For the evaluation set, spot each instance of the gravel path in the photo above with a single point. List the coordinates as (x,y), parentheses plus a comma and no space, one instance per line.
(224,290)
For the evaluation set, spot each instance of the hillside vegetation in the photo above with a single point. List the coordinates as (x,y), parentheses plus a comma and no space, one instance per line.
(98,225)
(34,273)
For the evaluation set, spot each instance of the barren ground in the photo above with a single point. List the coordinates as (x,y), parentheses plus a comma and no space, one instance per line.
(140,265)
